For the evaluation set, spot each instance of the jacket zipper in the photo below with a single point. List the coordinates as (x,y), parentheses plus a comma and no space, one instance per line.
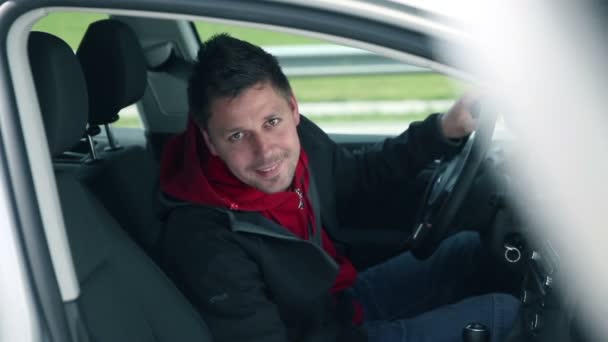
(300,197)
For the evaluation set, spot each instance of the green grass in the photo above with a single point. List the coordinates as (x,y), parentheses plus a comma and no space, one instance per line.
(255,36)
(422,86)
(128,121)
(69,26)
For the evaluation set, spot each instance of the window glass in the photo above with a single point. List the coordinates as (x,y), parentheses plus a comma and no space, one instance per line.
(349,90)
(129,117)
(254,36)
(71,26)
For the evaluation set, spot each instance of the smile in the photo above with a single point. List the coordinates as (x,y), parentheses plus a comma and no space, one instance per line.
(269,170)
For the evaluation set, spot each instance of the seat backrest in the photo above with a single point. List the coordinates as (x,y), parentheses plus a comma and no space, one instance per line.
(126,183)
(124,179)
(124,296)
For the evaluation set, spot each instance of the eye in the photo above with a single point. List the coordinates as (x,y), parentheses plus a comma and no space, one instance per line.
(273,121)
(236,136)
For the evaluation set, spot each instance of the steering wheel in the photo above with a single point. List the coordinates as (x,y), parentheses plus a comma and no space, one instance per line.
(448,187)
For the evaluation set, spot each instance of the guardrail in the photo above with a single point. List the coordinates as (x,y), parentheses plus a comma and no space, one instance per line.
(332,60)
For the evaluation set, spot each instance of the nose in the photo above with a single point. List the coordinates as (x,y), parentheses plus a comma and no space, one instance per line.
(261,145)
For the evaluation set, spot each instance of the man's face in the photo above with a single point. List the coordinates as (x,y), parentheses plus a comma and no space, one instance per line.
(255,135)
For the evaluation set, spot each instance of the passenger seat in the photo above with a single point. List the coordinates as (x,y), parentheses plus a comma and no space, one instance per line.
(123,294)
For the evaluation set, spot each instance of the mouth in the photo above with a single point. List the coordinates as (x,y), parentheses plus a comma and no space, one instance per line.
(269,170)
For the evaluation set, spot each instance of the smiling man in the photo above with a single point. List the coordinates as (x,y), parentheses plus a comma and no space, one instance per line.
(255,135)
(255,187)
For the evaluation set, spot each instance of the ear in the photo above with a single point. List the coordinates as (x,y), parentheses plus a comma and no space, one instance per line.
(295,111)
(210,145)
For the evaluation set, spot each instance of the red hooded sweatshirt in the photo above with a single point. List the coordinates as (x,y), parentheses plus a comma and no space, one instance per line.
(190,173)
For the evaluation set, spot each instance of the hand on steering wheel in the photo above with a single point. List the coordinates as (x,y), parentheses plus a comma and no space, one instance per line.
(451,181)
(461,119)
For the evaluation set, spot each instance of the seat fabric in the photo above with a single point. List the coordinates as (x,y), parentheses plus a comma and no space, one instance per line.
(124,295)
(127,185)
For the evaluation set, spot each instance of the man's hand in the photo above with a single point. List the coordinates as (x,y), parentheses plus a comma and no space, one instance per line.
(458,122)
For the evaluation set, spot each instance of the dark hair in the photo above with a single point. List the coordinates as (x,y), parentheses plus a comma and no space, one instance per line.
(226,67)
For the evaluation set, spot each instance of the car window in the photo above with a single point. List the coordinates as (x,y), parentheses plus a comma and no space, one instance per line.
(348,90)
(71,26)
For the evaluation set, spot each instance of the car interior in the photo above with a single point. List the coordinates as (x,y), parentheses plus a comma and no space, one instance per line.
(107,181)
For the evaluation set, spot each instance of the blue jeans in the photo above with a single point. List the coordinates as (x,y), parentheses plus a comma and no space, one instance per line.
(405,299)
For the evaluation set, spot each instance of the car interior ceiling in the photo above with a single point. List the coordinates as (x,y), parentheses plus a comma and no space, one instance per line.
(124,296)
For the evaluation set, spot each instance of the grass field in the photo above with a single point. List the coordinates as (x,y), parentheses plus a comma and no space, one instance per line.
(419,86)
(255,36)
(68,26)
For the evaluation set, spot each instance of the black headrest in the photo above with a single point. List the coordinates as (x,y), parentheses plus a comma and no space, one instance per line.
(114,67)
(61,90)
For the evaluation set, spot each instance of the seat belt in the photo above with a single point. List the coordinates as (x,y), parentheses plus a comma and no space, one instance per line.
(313,198)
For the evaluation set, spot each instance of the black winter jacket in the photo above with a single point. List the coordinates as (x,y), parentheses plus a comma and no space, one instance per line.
(253,280)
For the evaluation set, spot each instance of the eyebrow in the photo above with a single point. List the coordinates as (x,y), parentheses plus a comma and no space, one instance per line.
(271,116)
(237,129)
(231,130)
